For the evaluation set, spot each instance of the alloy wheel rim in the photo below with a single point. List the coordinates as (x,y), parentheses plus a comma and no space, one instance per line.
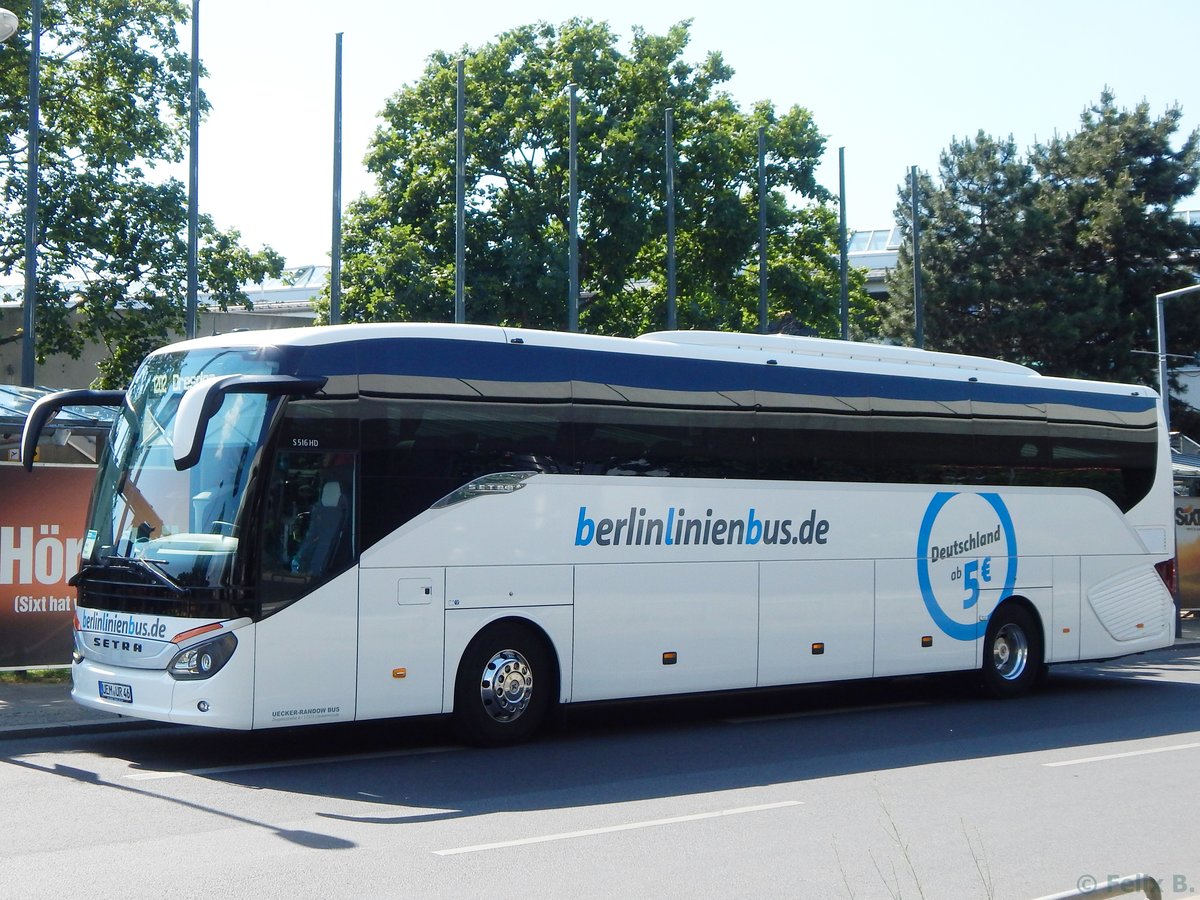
(1010,652)
(506,686)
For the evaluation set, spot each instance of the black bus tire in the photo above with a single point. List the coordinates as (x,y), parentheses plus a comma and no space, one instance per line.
(1012,652)
(507,682)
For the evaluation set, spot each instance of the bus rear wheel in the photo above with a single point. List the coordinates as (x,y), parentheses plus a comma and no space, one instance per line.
(1012,652)
(505,685)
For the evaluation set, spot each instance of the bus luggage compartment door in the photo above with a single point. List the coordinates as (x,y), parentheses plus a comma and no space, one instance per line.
(909,640)
(817,621)
(400,633)
(630,618)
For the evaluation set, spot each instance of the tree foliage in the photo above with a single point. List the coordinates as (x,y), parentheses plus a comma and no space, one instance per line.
(112,250)
(1053,259)
(399,241)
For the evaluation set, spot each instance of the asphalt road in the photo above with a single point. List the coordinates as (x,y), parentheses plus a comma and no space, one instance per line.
(911,788)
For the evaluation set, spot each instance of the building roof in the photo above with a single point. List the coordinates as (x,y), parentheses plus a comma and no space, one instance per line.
(15,403)
(295,289)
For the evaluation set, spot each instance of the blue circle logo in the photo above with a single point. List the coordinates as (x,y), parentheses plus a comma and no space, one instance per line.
(966,545)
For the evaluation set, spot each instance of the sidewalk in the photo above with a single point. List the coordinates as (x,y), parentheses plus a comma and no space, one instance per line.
(31,710)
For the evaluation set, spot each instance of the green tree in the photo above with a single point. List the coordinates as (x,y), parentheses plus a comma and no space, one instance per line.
(112,249)
(979,235)
(1053,260)
(399,241)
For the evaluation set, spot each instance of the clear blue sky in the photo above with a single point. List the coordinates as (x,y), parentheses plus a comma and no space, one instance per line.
(891,82)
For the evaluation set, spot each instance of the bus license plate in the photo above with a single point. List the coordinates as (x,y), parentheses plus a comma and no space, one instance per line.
(110,690)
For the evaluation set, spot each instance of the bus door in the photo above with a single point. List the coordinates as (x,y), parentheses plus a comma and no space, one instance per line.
(306,639)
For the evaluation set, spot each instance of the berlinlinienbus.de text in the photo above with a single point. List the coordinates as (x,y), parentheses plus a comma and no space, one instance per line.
(675,528)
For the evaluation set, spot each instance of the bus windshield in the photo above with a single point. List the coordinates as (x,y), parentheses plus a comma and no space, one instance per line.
(180,529)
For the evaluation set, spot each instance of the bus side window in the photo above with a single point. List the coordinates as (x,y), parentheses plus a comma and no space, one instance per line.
(324,544)
(308,525)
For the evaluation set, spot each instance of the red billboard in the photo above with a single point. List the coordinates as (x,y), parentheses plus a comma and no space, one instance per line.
(1187,549)
(42,516)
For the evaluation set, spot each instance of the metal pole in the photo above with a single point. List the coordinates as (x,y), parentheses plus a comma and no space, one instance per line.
(843,250)
(1166,411)
(1162,346)
(335,269)
(573,223)
(1164,393)
(460,200)
(918,299)
(193,261)
(1094,889)
(28,342)
(672,316)
(763,324)
(1162,361)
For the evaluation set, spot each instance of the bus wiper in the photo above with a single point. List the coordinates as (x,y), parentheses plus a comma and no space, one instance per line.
(149,566)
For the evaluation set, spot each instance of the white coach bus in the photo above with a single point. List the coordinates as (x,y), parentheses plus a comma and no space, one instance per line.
(369,521)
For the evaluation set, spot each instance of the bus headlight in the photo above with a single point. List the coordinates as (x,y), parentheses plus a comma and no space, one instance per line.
(203,660)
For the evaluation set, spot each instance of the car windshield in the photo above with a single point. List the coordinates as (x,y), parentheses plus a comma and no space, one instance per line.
(180,527)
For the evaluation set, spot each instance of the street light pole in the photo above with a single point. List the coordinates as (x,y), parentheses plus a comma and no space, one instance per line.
(843,254)
(918,297)
(1162,346)
(672,313)
(193,261)
(28,344)
(335,250)
(573,214)
(763,307)
(460,194)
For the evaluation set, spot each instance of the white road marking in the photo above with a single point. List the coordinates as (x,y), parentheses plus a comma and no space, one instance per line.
(610,829)
(289,763)
(1108,756)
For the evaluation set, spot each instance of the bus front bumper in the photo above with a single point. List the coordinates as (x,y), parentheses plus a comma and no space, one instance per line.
(223,701)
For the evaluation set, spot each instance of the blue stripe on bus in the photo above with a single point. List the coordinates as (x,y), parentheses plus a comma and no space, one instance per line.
(484,361)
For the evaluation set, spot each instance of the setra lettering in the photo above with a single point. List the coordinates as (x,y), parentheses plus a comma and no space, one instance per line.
(114,644)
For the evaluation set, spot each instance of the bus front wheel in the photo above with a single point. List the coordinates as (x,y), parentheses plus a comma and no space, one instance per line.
(1012,652)
(505,686)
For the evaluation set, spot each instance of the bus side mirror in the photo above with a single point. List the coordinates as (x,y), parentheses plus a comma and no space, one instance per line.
(202,400)
(47,408)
